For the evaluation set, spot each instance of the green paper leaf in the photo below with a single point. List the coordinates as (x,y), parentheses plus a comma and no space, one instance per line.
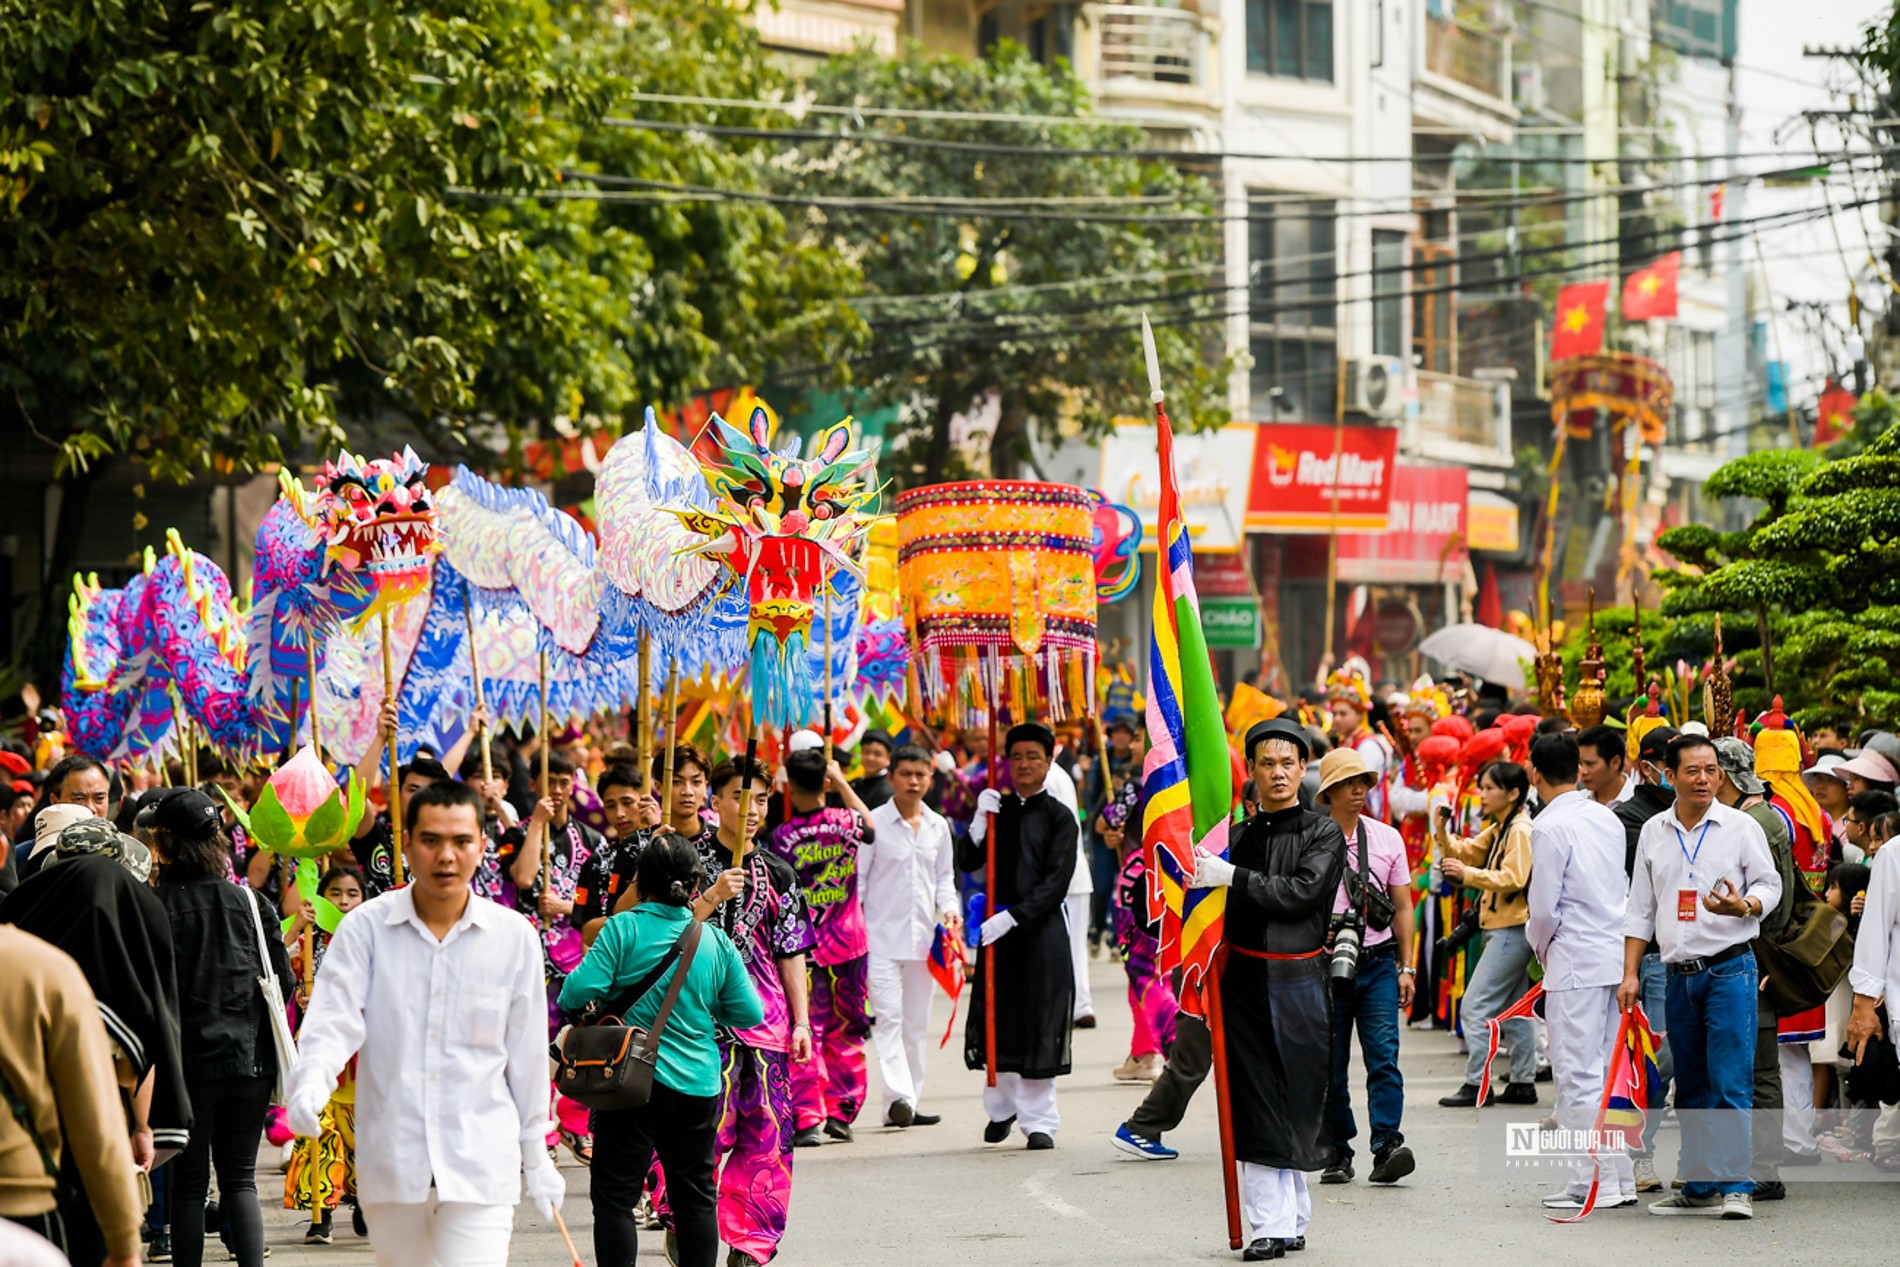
(270,824)
(324,830)
(327,914)
(354,816)
(307,880)
(237,811)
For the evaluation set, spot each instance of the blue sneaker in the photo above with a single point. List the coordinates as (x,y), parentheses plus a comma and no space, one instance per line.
(1141,1146)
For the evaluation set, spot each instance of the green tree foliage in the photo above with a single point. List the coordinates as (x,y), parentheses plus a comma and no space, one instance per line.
(1040,309)
(228,226)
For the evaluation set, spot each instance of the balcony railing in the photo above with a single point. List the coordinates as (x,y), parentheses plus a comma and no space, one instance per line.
(1463,411)
(1150,45)
(1479,59)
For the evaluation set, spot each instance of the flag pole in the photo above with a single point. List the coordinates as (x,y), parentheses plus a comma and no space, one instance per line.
(643,716)
(989,910)
(547,745)
(1339,461)
(1211,984)
(828,752)
(670,708)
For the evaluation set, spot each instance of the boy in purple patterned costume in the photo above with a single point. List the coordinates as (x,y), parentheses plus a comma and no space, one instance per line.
(1150,994)
(821,842)
(758,904)
(549,899)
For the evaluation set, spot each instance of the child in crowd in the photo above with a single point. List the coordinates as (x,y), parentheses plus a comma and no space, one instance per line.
(322,1171)
(1150,995)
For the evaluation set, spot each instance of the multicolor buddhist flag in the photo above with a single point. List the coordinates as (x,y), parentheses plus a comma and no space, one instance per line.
(1578,327)
(948,969)
(1187,775)
(1626,1086)
(1651,292)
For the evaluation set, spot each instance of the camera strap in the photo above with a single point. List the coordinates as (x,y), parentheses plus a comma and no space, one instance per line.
(1365,893)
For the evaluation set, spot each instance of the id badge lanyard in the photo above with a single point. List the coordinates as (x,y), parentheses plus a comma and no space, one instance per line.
(1686,898)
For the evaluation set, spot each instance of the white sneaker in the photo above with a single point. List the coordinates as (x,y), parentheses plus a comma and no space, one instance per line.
(1647,1179)
(1737,1205)
(1605,1201)
(1681,1203)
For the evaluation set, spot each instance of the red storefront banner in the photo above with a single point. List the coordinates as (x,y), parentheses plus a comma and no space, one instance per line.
(1424,541)
(1292,488)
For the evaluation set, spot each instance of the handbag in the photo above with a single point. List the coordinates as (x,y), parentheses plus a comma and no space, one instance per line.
(281,1038)
(1800,968)
(610,1064)
(1373,900)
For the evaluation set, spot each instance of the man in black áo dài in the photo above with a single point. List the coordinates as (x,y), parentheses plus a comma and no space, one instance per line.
(1284,866)
(1035,849)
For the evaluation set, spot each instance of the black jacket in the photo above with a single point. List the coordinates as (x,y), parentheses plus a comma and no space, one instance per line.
(226,1031)
(1287,866)
(1647,801)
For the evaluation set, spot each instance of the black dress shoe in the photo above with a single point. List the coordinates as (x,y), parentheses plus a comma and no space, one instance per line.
(1263,1249)
(1392,1165)
(925,1119)
(1085,1022)
(1464,1097)
(807,1138)
(1545,1075)
(997,1132)
(1791,1158)
(1340,1171)
(901,1114)
(1771,1190)
(839,1129)
(1295,1242)
(1517,1093)
(1040,1140)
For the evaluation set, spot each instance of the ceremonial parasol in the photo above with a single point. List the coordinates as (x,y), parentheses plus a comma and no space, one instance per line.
(1481,651)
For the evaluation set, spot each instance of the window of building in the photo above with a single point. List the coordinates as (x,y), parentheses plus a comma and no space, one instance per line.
(1290,39)
(1293,259)
(1388,293)
(1433,330)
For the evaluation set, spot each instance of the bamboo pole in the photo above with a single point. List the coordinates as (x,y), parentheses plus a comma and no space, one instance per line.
(316,733)
(1332,532)
(828,752)
(644,714)
(290,747)
(547,839)
(475,677)
(567,1237)
(745,790)
(989,912)
(398,865)
(670,707)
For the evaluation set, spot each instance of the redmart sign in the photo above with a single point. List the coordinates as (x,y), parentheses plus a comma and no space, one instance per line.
(1294,471)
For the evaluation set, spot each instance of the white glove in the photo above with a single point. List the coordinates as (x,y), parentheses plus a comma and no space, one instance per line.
(988,801)
(1210,872)
(995,926)
(304,1111)
(545,1187)
(944,761)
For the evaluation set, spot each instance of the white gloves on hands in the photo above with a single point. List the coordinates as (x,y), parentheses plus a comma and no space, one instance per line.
(944,761)
(1210,872)
(545,1187)
(304,1112)
(988,801)
(995,926)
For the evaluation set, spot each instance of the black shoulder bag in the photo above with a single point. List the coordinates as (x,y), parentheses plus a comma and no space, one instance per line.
(610,1064)
(1373,900)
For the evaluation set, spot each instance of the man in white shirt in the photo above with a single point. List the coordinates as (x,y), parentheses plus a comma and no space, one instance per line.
(439,995)
(1577,898)
(1703,876)
(907,883)
(1602,765)
(1876,972)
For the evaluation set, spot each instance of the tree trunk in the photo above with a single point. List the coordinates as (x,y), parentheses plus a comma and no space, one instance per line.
(1767,648)
(1008,440)
(937,456)
(46,641)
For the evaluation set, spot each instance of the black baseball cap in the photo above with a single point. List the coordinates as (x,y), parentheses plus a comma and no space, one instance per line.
(1654,746)
(186,812)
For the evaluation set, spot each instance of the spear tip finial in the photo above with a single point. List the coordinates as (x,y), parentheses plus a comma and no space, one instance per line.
(1155,394)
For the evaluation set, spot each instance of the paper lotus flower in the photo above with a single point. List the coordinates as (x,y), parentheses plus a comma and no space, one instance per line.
(302,812)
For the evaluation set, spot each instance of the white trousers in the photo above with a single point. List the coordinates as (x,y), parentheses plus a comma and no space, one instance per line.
(1032,1101)
(1583,1024)
(439,1233)
(1797,1095)
(1075,909)
(1276,1201)
(1887,1130)
(901,992)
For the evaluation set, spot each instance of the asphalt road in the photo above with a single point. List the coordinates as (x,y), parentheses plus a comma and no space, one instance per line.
(938,1195)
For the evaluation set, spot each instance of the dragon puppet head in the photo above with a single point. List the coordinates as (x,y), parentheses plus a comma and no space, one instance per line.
(782,525)
(377,522)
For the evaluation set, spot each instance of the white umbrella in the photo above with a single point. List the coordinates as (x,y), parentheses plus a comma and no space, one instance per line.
(1481,651)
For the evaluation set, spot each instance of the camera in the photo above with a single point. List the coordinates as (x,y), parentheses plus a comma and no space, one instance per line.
(1348,937)
(1454,941)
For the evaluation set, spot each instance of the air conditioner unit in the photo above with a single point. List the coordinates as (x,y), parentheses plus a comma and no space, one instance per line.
(1375,386)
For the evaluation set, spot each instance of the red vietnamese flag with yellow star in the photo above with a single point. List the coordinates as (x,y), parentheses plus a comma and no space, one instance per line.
(1651,292)
(1578,329)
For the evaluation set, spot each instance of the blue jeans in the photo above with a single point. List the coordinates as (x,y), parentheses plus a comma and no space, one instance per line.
(1712,1035)
(1501,979)
(1655,982)
(1103,870)
(1373,1006)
